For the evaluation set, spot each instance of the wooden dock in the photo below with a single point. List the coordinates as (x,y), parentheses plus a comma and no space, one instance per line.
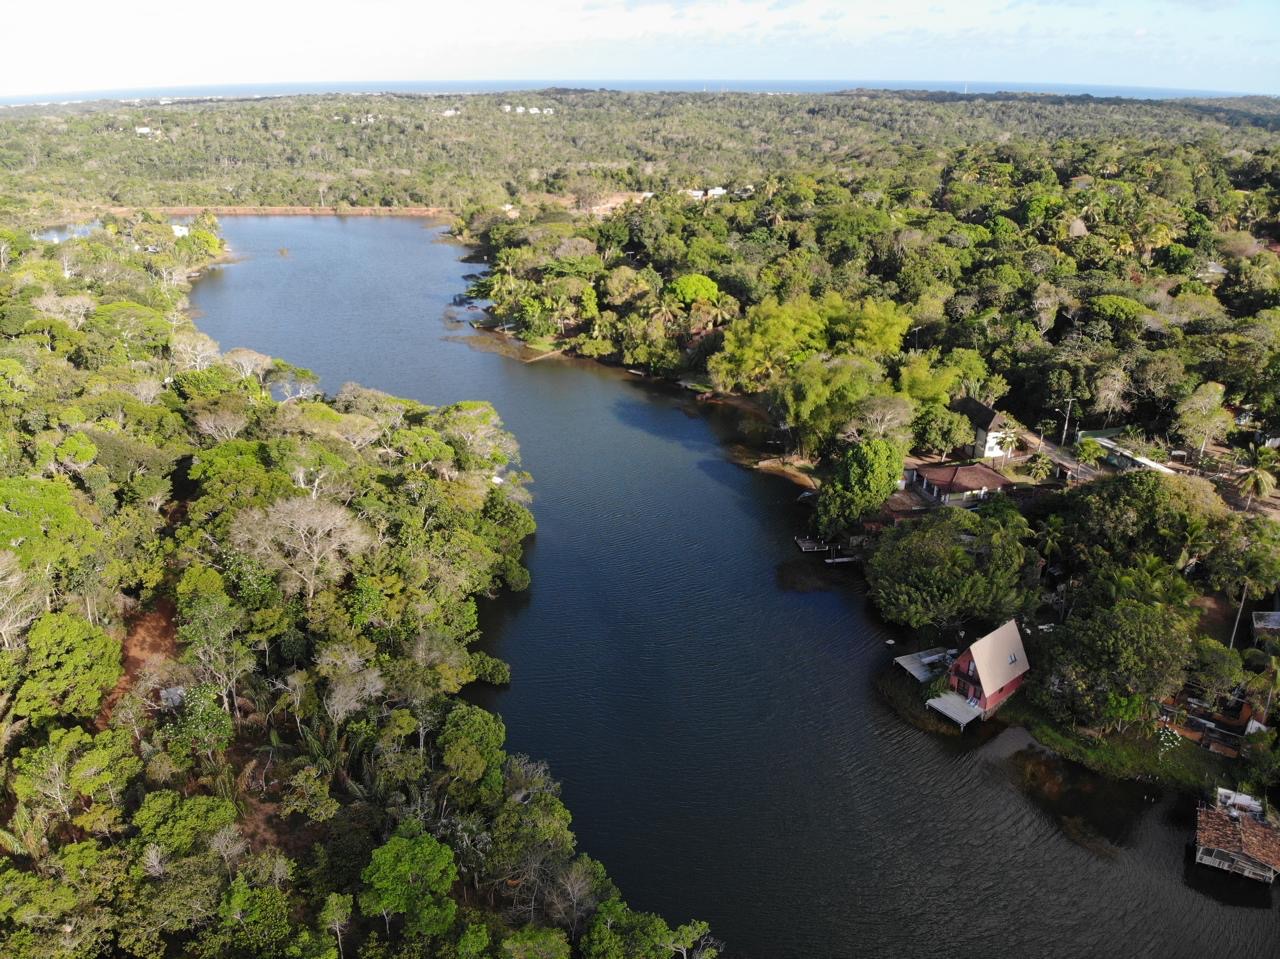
(808,544)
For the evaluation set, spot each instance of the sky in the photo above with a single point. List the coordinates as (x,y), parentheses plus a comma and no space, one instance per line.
(1229,45)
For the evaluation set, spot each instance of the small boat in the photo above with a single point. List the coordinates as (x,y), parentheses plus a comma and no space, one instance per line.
(637,372)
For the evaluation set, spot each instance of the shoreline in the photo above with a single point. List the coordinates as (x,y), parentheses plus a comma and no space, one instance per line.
(422,212)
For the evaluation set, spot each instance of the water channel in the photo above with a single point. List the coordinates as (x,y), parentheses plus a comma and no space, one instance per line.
(703,691)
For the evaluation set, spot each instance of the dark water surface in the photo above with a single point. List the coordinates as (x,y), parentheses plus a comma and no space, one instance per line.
(704,694)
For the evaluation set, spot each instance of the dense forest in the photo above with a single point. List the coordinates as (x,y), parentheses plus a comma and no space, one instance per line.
(235,616)
(459,152)
(290,771)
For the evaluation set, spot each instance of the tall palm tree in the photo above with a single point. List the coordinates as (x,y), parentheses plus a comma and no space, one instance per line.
(1258,478)
(1040,467)
(1089,451)
(1050,536)
(1193,541)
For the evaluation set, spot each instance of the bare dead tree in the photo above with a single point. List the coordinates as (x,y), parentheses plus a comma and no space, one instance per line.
(221,424)
(192,350)
(308,541)
(22,599)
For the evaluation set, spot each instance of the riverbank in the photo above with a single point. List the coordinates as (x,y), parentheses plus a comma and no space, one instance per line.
(1136,754)
(429,212)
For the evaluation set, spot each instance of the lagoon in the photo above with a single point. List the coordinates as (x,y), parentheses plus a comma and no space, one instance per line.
(705,693)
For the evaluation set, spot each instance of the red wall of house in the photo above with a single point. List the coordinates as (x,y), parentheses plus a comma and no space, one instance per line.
(990,699)
(960,670)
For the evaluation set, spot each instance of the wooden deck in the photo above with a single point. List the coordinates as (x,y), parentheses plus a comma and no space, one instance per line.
(956,708)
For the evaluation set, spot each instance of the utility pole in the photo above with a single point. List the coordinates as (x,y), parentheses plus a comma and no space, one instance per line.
(1066,419)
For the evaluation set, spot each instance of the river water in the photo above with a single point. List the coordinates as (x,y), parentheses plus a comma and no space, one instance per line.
(703,692)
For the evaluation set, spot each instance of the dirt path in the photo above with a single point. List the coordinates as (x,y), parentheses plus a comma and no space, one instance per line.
(151,639)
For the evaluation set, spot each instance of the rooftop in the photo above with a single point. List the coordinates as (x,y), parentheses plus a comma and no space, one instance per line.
(999,657)
(980,415)
(1266,621)
(964,479)
(1218,829)
(925,664)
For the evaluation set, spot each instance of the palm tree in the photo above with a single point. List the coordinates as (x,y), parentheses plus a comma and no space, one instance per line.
(1089,451)
(1258,478)
(1148,580)
(1050,536)
(665,312)
(1008,443)
(1039,467)
(1256,482)
(27,835)
(1042,428)
(1193,541)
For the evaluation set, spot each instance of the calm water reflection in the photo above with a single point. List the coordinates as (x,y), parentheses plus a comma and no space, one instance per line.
(707,705)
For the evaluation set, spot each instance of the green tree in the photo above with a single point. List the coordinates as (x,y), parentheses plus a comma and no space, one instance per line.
(411,877)
(336,917)
(950,566)
(865,476)
(1216,668)
(68,665)
(1089,451)
(694,288)
(471,752)
(1040,467)
(769,341)
(940,430)
(1201,416)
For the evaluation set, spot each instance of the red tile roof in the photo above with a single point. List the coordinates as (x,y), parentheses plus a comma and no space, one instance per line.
(964,479)
(1245,835)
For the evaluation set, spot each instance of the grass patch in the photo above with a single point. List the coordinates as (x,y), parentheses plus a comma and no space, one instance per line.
(543,344)
(1136,753)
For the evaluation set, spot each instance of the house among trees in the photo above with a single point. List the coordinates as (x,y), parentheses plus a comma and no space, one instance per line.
(1235,835)
(983,676)
(959,485)
(990,427)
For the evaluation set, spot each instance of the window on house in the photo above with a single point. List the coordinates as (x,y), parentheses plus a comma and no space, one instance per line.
(1013,658)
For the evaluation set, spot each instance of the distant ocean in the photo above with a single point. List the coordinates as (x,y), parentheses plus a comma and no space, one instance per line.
(709,86)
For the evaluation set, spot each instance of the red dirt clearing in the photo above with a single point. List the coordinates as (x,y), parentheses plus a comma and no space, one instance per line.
(152,638)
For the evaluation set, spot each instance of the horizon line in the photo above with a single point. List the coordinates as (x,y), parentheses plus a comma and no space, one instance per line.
(264,89)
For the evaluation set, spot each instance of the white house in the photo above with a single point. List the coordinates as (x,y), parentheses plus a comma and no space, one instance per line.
(716,191)
(506,108)
(990,427)
(179,230)
(142,131)
(534,110)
